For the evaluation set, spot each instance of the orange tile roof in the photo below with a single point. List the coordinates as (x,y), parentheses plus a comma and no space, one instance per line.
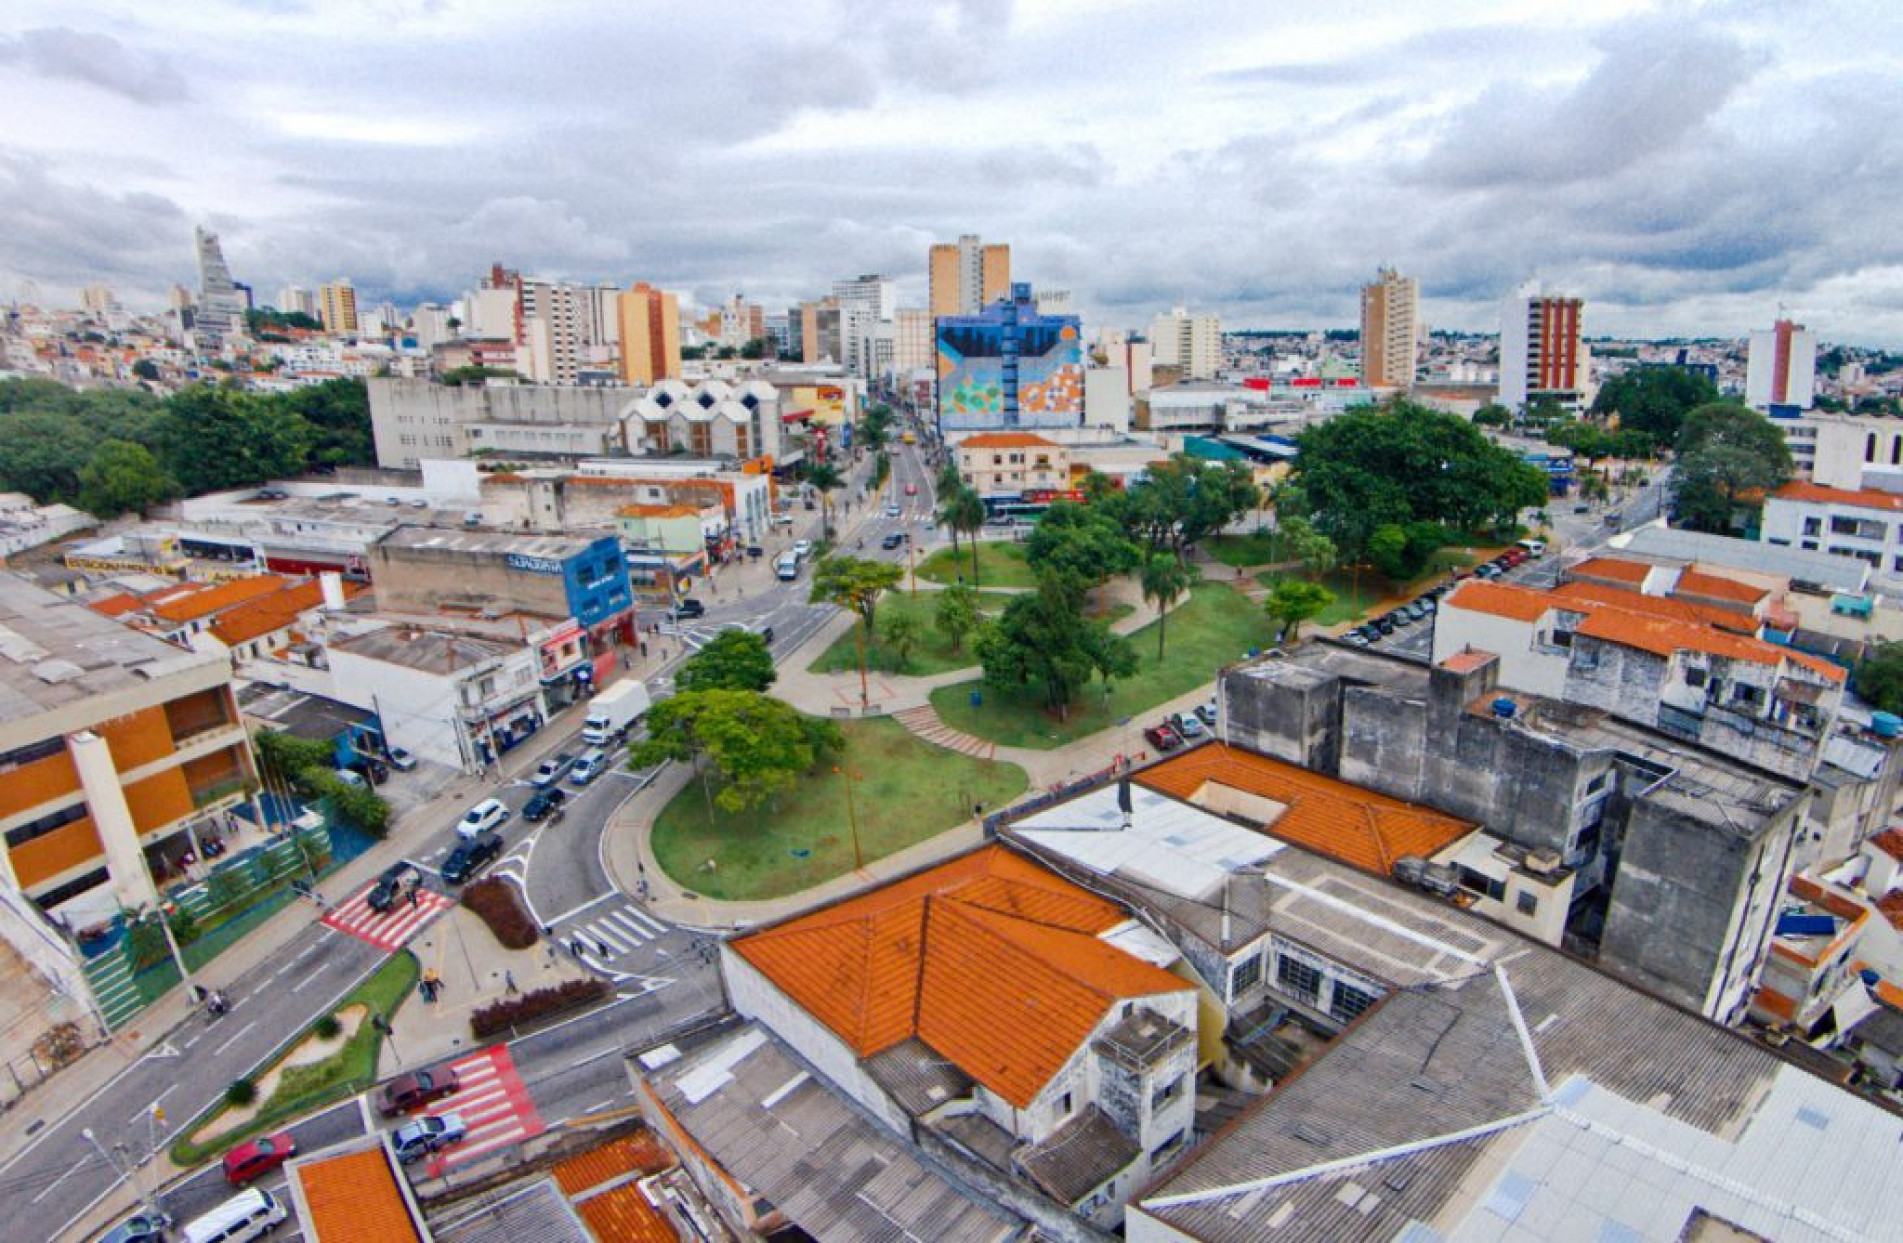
(641,1152)
(625,1216)
(354,1199)
(657,511)
(272,613)
(1330,817)
(1477,595)
(118,605)
(1007,440)
(1890,906)
(1716,587)
(195,600)
(1862,498)
(1468,661)
(990,959)
(1663,636)
(1890,842)
(1614,569)
(1657,606)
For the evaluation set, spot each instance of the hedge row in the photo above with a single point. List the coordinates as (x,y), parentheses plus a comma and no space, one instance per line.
(500,1016)
(499,904)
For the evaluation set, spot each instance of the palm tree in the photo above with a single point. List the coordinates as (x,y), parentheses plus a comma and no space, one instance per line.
(1164,580)
(823,478)
(965,511)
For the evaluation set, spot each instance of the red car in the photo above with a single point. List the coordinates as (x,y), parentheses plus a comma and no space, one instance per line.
(407,1092)
(258,1157)
(911,489)
(1163,737)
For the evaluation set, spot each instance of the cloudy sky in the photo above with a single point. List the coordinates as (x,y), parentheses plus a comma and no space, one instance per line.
(1684,167)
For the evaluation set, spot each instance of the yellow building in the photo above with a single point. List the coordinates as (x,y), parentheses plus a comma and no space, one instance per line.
(650,335)
(967,276)
(337,306)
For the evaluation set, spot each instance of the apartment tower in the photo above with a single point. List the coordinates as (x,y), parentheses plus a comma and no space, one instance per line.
(967,276)
(1541,352)
(1390,330)
(337,307)
(650,335)
(1782,370)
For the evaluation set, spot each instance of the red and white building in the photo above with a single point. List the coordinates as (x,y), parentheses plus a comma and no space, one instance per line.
(1542,353)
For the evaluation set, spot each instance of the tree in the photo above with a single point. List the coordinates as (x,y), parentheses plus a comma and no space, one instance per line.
(855,583)
(964,510)
(1293,602)
(1183,500)
(824,478)
(145,369)
(1878,677)
(338,413)
(1081,544)
(456,377)
(1404,463)
(216,438)
(1387,551)
(1165,579)
(1654,400)
(1586,440)
(754,349)
(1725,451)
(733,660)
(901,632)
(756,745)
(122,477)
(1042,640)
(957,613)
(1493,414)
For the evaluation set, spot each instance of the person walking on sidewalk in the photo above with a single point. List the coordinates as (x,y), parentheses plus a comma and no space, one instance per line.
(508,981)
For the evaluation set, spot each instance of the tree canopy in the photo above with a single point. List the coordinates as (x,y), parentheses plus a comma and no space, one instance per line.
(122,477)
(1292,602)
(1725,451)
(1878,677)
(1654,400)
(1404,463)
(733,660)
(1180,502)
(756,745)
(1082,545)
(1043,640)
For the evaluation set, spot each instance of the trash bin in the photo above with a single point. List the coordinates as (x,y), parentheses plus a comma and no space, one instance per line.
(977,699)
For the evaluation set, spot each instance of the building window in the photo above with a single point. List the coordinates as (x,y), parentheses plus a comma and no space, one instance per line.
(71,889)
(1349,1003)
(1745,693)
(1482,884)
(1298,978)
(1528,903)
(1695,677)
(1244,976)
(1168,1092)
(1599,783)
(1063,1105)
(1168,1146)
(31,752)
(1813,526)
(20,835)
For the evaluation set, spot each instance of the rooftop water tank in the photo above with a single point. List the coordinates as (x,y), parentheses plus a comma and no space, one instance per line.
(1886,724)
(1504,708)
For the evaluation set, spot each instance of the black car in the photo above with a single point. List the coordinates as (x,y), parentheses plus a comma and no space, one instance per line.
(471,854)
(1384,624)
(755,551)
(371,769)
(396,885)
(892,541)
(690,607)
(544,804)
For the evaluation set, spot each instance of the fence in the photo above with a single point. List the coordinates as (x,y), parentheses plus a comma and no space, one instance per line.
(1061,791)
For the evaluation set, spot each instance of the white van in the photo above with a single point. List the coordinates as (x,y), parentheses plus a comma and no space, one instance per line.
(246,1216)
(787,567)
(1533,547)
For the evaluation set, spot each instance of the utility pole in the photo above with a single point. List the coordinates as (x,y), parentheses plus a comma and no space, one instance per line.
(124,1175)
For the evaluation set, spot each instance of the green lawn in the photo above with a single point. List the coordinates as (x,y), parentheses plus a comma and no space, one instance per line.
(933,653)
(1254,548)
(906,791)
(1000,564)
(1216,626)
(305,1088)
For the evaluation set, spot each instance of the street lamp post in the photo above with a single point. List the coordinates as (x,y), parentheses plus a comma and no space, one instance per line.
(852,817)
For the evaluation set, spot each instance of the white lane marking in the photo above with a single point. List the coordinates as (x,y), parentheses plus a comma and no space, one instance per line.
(235,1039)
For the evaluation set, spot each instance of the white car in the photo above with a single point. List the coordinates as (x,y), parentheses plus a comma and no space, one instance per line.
(1189,725)
(484,816)
(803,548)
(401,760)
(891,511)
(782,520)
(589,767)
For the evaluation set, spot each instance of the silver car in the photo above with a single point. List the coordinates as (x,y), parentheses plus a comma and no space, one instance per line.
(416,1140)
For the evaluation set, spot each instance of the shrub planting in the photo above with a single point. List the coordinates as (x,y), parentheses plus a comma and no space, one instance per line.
(500,1016)
(498,904)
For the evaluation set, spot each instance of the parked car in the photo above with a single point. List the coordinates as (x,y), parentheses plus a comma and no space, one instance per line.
(1400,619)
(782,520)
(144,1228)
(371,767)
(588,767)
(1385,625)
(484,816)
(802,548)
(246,1216)
(543,804)
(688,609)
(432,1133)
(401,760)
(1163,737)
(352,778)
(1355,638)
(1188,725)
(1207,711)
(470,857)
(552,769)
(413,1091)
(257,1157)
(396,885)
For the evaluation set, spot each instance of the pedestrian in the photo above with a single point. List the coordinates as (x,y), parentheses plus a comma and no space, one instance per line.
(508,981)
(644,649)
(574,947)
(601,951)
(414,889)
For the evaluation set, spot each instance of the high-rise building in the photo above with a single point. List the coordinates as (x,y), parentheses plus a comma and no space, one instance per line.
(820,337)
(650,335)
(740,322)
(912,340)
(296,300)
(1782,369)
(967,276)
(337,307)
(221,307)
(1390,330)
(1009,369)
(1190,343)
(552,319)
(1542,354)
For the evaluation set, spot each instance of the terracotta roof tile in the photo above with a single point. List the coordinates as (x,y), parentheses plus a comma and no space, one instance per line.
(1890,842)
(1330,817)
(117,605)
(195,600)
(1663,636)
(1612,569)
(1500,599)
(1890,906)
(354,1198)
(625,1216)
(1468,661)
(274,612)
(631,1153)
(1657,606)
(1697,582)
(1007,440)
(1863,498)
(990,959)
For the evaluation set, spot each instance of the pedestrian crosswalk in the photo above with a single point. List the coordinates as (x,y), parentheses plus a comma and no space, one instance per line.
(613,934)
(389,930)
(493,1103)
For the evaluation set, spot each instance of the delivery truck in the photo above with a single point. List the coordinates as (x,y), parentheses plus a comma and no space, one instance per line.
(613,712)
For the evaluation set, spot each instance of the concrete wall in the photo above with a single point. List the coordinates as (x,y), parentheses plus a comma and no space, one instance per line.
(1524,664)
(410,581)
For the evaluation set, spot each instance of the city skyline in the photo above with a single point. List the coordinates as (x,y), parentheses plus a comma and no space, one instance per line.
(1686,172)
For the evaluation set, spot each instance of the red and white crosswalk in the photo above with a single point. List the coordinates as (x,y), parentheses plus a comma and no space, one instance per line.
(390,930)
(493,1103)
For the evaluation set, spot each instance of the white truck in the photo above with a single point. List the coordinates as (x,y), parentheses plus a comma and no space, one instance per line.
(614,711)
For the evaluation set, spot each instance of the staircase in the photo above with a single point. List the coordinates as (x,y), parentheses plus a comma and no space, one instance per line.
(922,722)
(111,979)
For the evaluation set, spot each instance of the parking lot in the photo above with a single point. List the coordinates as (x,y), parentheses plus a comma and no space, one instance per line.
(1407,630)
